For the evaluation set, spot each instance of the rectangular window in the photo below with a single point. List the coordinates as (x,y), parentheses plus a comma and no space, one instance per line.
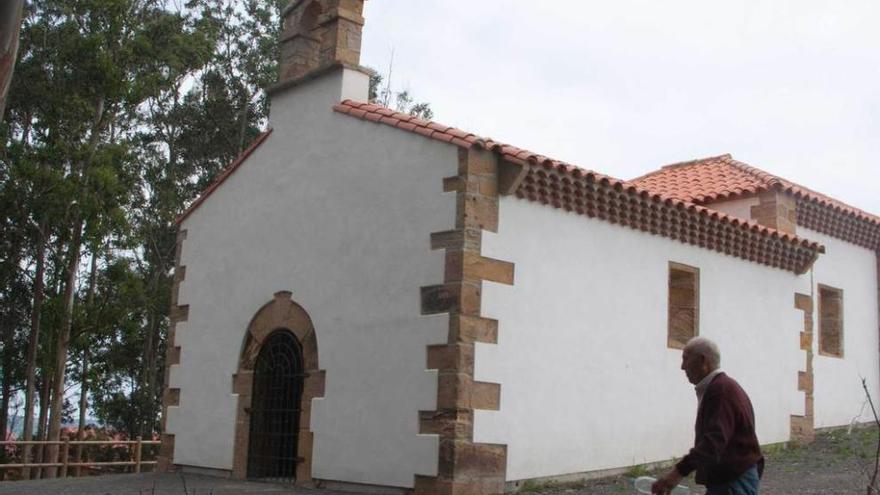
(830,321)
(684,305)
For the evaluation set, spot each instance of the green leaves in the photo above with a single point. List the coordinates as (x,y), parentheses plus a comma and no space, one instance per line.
(74,154)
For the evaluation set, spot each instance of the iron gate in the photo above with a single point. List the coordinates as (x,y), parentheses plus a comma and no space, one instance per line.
(275,408)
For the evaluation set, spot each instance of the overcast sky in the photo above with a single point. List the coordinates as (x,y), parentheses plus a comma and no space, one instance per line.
(624,86)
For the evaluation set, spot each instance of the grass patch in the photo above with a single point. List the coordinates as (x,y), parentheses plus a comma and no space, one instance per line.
(534,486)
(530,486)
(638,471)
(835,446)
(860,442)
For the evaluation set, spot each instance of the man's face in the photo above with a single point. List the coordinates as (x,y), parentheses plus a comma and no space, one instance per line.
(694,366)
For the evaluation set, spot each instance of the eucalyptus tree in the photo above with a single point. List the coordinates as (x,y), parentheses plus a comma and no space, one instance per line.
(10,26)
(191,132)
(97,61)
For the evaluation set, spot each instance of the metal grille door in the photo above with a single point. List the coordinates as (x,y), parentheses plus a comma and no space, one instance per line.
(275,407)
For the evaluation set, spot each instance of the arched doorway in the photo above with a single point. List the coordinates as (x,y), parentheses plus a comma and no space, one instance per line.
(281,314)
(275,409)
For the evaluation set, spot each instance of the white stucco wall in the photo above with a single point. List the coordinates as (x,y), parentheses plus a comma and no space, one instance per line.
(338,211)
(587,381)
(839,397)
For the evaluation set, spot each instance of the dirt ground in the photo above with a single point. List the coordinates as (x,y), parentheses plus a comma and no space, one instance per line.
(151,484)
(838,462)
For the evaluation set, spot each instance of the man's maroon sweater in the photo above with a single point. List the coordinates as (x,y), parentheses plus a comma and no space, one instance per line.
(726,445)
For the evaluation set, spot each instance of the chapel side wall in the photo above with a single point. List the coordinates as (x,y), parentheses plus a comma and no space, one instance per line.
(839,397)
(587,380)
(339,212)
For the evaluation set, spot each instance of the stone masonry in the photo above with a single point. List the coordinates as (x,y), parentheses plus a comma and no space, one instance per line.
(777,210)
(171,396)
(318,34)
(465,467)
(803,427)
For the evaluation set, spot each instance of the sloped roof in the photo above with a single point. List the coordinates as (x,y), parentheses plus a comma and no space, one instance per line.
(589,193)
(721,178)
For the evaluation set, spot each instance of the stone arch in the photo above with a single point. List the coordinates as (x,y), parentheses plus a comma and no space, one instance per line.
(310,16)
(281,312)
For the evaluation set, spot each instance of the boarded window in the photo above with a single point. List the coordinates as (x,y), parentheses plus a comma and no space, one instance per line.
(830,321)
(684,305)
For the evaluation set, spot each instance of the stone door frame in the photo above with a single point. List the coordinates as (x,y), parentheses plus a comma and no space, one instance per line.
(279,313)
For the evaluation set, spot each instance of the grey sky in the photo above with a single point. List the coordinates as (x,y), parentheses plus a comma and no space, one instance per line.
(623,87)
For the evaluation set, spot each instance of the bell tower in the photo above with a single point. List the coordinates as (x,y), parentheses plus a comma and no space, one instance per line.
(319,34)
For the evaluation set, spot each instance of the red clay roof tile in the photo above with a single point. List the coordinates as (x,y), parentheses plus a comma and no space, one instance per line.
(390,121)
(586,192)
(721,178)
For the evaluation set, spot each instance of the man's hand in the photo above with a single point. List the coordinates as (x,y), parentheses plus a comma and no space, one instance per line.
(664,485)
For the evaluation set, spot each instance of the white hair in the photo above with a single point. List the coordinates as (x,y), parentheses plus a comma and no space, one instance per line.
(706,348)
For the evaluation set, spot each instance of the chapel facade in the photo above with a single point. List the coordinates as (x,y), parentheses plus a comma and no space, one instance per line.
(366,300)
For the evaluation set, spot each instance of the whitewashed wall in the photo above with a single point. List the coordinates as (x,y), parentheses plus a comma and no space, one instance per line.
(338,211)
(839,397)
(587,382)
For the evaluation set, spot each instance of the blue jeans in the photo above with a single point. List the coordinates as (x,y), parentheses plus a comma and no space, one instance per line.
(747,484)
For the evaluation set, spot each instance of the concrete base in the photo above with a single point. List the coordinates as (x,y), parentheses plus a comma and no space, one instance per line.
(342,486)
(516,485)
(202,471)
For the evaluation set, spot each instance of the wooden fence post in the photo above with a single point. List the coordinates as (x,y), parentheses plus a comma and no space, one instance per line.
(77,456)
(65,450)
(63,459)
(26,453)
(137,455)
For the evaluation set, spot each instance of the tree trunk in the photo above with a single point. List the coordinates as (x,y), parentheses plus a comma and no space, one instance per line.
(84,372)
(75,247)
(33,344)
(10,25)
(8,344)
(63,344)
(151,361)
(150,372)
(7,327)
(83,406)
(40,454)
(242,130)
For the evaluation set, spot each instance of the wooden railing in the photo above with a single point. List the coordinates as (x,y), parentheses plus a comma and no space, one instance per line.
(64,463)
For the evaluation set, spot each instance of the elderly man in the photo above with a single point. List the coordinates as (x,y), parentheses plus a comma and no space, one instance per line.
(726,454)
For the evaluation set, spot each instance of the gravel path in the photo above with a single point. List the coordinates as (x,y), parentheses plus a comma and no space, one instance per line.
(837,463)
(150,484)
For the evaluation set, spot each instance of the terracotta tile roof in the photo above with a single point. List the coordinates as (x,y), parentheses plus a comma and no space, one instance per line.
(720,178)
(223,176)
(588,193)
